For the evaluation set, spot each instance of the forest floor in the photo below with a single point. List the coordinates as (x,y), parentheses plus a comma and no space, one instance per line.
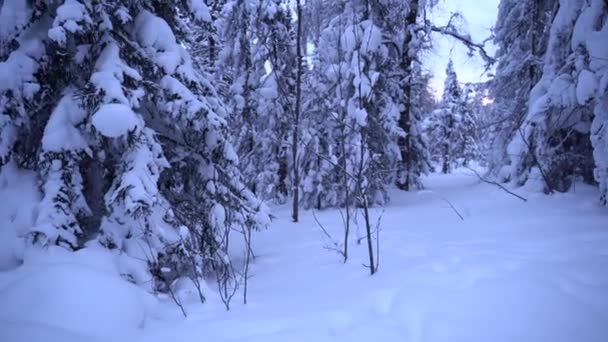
(507,271)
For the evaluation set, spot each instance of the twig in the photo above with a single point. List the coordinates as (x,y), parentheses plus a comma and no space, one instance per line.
(453,208)
(177,301)
(466,39)
(247,236)
(378,238)
(335,249)
(536,161)
(497,184)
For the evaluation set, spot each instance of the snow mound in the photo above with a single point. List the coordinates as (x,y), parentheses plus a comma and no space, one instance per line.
(75,298)
(61,132)
(33,332)
(115,120)
(155,35)
(200,9)
(16,214)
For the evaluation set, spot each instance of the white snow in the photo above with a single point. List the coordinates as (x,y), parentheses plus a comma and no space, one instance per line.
(114,120)
(586,87)
(60,132)
(510,271)
(109,74)
(17,72)
(154,34)
(70,15)
(17,213)
(13,16)
(60,293)
(364,37)
(200,10)
(357,113)
(36,332)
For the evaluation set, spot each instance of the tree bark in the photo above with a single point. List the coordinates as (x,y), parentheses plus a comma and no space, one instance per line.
(405,143)
(296,116)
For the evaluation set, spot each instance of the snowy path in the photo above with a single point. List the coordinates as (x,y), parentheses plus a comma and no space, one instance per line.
(511,271)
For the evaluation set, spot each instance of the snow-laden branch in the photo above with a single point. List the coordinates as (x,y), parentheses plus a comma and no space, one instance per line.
(451,30)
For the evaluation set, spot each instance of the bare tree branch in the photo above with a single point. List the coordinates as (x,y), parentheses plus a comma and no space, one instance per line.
(453,208)
(536,161)
(498,185)
(450,30)
(326,233)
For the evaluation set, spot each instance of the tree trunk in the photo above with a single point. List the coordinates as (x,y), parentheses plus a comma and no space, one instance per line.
(296,116)
(405,143)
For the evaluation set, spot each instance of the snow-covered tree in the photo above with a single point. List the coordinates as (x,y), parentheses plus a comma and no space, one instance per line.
(452,126)
(521,35)
(408,35)
(278,48)
(242,70)
(258,63)
(563,136)
(355,109)
(480,103)
(128,135)
(417,159)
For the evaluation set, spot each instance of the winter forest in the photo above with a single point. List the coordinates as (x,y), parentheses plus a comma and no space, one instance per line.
(303,170)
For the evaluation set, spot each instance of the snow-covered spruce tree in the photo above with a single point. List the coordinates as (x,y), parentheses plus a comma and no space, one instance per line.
(422,103)
(325,156)
(128,137)
(354,103)
(408,36)
(242,71)
(452,126)
(476,96)
(469,150)
(563,136)
(256,34)
(521,35)
(277,47)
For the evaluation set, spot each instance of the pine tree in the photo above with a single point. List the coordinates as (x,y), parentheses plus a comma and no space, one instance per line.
(453,127)
(469,149)
(422,103)
(409,33)
(521,34)
(109,86)
(242,71)
(562,137)
(345,82)
(278,48)
(257,35)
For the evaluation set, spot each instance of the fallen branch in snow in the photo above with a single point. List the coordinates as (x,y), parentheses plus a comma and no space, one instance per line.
(453,208)
(498,185)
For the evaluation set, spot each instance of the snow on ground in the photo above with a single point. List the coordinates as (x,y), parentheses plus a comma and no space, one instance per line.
(70,297)
(19,194)
(511,271)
